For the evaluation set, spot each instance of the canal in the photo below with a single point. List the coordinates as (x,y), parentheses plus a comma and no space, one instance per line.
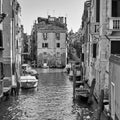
(52,100)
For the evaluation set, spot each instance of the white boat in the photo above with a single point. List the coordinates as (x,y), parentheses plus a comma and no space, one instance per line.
(28,81)
(67,68)
(71,75)
(25,66)
(45,65)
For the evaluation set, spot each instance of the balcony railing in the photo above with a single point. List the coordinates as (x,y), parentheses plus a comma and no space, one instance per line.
(114,23)
(95,28)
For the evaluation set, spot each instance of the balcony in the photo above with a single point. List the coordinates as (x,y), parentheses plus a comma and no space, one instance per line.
(114,23)
(95,28)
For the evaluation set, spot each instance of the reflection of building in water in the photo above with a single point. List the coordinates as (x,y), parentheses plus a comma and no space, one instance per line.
(50,41)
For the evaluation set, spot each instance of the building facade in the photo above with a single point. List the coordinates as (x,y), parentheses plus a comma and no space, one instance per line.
(103,18)
(114,87)
(51,41)
(12,38)
(1,49)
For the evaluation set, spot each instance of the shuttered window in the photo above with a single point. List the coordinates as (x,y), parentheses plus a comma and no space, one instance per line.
(97,10)
(45,36)
(82,57)
(58,36)
(94,50)
(115,47)
(1,39)
(58,45)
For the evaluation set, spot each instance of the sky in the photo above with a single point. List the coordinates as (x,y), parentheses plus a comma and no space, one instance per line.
(32,9)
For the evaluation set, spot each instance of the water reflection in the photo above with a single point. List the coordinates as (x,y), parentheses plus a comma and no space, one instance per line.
(52,100)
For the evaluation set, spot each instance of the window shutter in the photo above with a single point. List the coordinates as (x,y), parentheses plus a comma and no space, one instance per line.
(45,36)
(58,36)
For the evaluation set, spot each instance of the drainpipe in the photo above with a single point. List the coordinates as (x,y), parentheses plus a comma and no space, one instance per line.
(12,38)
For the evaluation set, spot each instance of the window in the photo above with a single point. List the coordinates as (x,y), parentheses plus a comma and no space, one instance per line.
(1,71)
(94,50)
(58,45)
(45,36)
(115,8)
(97,10)
(58,36)
(45,53)
(82,57)
(115,47)
(1,39)
(44,45)
(16,44)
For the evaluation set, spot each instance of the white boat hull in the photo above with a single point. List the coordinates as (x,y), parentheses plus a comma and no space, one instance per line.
(28,82)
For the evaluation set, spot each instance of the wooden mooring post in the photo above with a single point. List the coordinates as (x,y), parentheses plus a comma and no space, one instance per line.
(74,81)
(100,105)
(91,91)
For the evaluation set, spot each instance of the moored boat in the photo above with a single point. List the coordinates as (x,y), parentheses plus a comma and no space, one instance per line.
(78,75)
(45,66)
(28,81)
(71,75)
(32,72)
(82,90)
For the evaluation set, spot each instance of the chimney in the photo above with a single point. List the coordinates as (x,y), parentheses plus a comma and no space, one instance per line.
(65,20)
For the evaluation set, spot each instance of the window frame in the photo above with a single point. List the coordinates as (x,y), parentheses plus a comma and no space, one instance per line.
(57,36)
(45,35)
(44,45)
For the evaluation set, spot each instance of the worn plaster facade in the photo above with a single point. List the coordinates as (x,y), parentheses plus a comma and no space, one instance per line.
(103,40)
(12,38)
(51,41)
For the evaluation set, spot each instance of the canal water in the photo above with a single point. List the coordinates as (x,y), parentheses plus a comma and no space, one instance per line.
(52,100)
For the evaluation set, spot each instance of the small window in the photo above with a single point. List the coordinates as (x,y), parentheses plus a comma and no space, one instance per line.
(82,57)
(1,70)
(16,44)
(45,53)
(58,45)
(44,45)
(45,36)
(58,36)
